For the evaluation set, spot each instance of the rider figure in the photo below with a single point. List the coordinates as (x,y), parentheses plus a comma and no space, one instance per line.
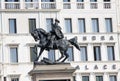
(55,33)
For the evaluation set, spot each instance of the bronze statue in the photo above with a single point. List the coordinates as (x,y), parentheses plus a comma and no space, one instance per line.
(53,40)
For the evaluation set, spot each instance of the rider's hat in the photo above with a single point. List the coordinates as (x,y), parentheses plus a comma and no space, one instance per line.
(56,20)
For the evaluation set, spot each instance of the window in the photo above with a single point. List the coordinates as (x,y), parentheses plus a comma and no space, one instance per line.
(70,53)
(11,0)
(85,78)
(95,25)
(81,25)
(93,4)
(99,78)
(83,50)
(49,5)
(68,25)
(49,22)
(108,23)
(4,78)
(106,0)
(32,24)
(97,53)
(13,54)
(51,55)
(80,0)
(12,26)
(110,52)
(93,0)
(107,4)
(14,79)
(66,4)
(47,0)
(66,0)
(112,78)
(33,55)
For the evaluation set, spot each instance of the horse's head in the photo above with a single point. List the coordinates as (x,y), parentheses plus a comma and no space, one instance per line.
(39,34)
(35,35)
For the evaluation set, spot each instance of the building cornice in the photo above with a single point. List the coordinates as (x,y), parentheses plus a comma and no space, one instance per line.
(30,10)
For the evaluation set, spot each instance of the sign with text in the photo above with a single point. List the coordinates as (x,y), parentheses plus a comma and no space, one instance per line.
(100,67)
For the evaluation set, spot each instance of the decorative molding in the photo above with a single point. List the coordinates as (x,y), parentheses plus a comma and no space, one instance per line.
(13,44)
(14,75)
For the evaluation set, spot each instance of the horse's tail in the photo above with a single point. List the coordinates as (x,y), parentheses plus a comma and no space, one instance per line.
(74,42)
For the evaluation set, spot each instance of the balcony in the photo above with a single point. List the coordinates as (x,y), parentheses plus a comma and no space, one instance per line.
(66,5)
(48,5)
(107,5)
(52,5)
(12,5)
(80,5)
(31,5)
(93,5)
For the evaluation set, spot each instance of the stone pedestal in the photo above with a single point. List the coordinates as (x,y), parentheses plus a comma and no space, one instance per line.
(54,72)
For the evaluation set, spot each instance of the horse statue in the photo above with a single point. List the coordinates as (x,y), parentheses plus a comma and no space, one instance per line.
(61,44)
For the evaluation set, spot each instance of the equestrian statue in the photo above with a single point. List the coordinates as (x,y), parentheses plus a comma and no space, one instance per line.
(53,40)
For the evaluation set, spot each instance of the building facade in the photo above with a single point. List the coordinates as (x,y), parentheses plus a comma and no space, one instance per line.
(95,23)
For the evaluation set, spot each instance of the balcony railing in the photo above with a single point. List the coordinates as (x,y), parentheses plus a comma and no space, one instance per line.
(94,5)
(66,5)
(107,5)
(12,5)
(51,5)
(31,5)
(80,5)
(48,5)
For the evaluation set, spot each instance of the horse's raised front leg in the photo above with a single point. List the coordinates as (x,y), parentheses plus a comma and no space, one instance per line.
(41,50)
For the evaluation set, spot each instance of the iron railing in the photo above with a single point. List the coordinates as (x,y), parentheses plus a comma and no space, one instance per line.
(93,5)
(80,5)
(48,5)
(12,5)
(107,5)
